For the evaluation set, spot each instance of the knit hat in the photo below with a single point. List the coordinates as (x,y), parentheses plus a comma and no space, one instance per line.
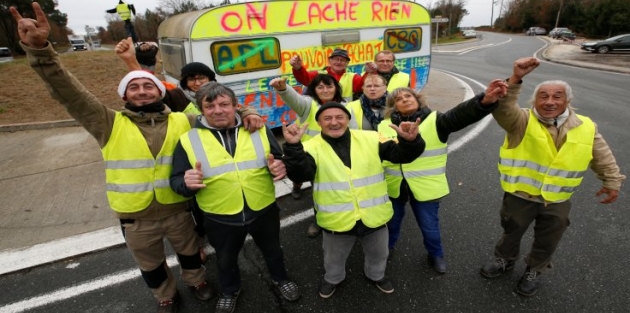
(338,52)
(122,87)
(195,68)
(330,105)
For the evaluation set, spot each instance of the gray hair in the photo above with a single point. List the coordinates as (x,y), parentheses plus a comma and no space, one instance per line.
(390,103)
(567,90)
(212,90)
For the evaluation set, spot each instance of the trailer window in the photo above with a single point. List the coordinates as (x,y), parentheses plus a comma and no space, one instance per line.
(240,56)
(403,39)
(173,58)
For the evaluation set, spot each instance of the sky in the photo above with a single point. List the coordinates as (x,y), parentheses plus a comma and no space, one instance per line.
(93,14)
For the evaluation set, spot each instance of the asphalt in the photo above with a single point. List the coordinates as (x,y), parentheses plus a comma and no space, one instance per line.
(52,181)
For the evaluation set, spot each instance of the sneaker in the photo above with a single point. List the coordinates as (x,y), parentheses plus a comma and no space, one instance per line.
(327,289)
(385,285)
(289,290)
(227,303)
(168,306)
(202,291)
(313,230)
(296,192)
(527,285)
(496,268)
(438,264)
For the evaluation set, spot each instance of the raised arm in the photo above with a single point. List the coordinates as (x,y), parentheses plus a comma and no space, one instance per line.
(297,102)
(126,52)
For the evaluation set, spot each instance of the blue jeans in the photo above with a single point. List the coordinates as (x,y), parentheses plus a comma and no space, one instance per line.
(426,214)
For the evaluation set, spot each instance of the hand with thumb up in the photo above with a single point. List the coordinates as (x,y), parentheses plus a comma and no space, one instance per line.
(194,177)
(276,168)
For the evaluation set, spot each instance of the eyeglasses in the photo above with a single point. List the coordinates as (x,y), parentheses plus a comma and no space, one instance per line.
(373,86)
(199,78)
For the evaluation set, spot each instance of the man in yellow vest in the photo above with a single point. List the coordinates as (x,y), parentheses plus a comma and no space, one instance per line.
(349,188)
(137,144)
(547,150)
(231,174)
(124,11)
(384,65)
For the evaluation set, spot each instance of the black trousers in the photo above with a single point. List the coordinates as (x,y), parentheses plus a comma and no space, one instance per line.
(228,240)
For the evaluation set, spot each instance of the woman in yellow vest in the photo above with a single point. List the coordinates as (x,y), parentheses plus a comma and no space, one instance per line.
(368,111)
(423,183)
(545,154)
(349,189)
(323,88)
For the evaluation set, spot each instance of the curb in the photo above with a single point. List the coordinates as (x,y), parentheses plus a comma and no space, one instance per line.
(11,128)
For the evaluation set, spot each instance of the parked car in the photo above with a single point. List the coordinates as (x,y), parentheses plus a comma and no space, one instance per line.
(5,54)
(555,33)
(536,31)
(565,35)
(470,33)
(617,43)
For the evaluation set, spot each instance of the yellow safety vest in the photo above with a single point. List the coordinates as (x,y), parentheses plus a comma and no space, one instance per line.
(342,195)
(426,175)
(537,168)
(191,108)
(133,176)
(313,127)
(228,178)
(346,84)
(123,11)
(356,115)
(398,80)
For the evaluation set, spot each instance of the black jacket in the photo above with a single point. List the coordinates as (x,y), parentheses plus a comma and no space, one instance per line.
(226,137)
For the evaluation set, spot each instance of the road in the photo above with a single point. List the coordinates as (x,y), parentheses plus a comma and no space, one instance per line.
(590,271)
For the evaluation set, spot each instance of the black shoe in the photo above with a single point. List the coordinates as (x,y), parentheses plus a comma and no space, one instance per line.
(313,230)
(202,291)
(528,286)
(296,192)
(390,255)
(496,268)
(227,303)
(289,290)
(168,306)
(438,263)
(327,289)
(385,285)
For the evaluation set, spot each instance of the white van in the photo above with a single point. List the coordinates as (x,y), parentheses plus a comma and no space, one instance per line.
(248,44)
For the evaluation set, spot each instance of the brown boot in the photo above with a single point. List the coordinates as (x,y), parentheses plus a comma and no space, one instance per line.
(313,230)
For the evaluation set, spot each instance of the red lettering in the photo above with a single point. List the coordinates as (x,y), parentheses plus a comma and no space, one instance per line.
(412,78)
(377,8)
(292,22)
(341,11)
(285,56)
(266,100)
(369,51)
(314,13)
(319,58)
(326,9)
(249,98)
(361,53)
(224,22)
(261,17)
(406,10)
(393,11)
(353,10)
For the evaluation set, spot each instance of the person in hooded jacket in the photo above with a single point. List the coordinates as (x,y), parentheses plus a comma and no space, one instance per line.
(422,183)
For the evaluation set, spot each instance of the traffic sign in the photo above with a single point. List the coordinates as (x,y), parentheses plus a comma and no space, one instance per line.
(439,20)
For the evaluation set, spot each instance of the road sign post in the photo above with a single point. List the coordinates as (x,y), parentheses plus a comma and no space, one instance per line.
(437,20)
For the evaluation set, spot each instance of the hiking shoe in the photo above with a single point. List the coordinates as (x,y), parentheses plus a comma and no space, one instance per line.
(313,230)
(438,263)
(202,291)
(289,290)
(327,289)
(296,192)
(227,303)
(168,306)
(527,285)
(385,285)
(496,268)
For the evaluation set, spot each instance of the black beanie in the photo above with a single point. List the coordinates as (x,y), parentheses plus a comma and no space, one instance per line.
(195,68)
(330,105)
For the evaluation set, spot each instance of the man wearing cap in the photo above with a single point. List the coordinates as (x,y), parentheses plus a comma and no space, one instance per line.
(349,188)
(337,65)
(137,144)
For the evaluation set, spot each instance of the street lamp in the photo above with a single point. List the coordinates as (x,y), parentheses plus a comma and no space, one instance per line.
(558,16)
(492,14)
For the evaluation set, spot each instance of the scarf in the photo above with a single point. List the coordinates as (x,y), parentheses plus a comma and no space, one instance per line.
(190,95)
(389,75)
(154,107)
(374,118)
(557,121)
(397,118)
